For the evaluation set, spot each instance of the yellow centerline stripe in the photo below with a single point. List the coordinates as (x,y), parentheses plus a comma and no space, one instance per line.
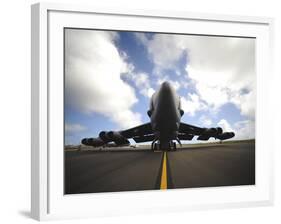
(163,184)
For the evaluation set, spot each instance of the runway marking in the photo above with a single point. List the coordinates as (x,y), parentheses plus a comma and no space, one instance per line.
(163,185)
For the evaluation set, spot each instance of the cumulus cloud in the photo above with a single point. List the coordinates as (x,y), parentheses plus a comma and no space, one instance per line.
(225,125)
(205,121)
(222,69)
(192,103)
(73,128)
(162,49)
(93,66)
(243,129)
(142,82)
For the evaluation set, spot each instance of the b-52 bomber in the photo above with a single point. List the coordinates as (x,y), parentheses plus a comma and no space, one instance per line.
(164,128)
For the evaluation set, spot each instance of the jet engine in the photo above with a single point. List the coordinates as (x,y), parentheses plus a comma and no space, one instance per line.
(117,138)
(92,142)
(226,135)
(104,137)
(219,130)
(212,132)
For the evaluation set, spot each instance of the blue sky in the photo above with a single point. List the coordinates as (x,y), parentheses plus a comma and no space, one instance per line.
(110,76)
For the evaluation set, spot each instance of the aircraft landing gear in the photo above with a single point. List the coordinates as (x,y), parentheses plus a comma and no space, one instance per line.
(155,146)
(169,146)
(173,146)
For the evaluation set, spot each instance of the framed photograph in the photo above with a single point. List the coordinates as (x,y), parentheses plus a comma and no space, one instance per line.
(149,111)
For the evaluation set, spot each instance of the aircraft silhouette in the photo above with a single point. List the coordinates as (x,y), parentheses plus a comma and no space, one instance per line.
(164,128)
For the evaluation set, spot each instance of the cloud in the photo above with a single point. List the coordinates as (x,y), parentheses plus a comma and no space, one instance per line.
(246,103)
(205,121)
(93,66)
(73,128)
(191,104)
(222,69)
(142,82)
(243,129)
(225,126)
(162,51)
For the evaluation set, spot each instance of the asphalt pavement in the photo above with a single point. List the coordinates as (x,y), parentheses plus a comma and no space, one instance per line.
(92,171)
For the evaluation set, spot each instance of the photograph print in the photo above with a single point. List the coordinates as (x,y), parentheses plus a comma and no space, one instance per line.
(157,111)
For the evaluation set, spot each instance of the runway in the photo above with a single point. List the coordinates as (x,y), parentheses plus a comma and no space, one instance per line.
(112,170)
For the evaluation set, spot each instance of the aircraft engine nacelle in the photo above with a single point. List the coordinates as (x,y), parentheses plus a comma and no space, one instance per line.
(117,138)
(96,142)
(226,135)
(210,132)
(104,137)
(219,130)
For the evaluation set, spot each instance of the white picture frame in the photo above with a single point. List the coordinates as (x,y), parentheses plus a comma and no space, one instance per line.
(47,198)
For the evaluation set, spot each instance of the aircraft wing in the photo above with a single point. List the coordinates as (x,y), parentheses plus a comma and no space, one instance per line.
(144,129)
(187,132)
(141,133)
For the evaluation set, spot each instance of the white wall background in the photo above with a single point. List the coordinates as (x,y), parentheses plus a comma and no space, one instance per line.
(15,110)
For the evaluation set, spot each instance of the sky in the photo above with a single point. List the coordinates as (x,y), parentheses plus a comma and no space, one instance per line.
(111,75)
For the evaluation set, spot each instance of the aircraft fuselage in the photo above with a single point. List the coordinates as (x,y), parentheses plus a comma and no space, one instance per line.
(165,114)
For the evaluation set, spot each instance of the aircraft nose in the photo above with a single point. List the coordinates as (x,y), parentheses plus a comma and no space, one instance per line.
(166,87)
